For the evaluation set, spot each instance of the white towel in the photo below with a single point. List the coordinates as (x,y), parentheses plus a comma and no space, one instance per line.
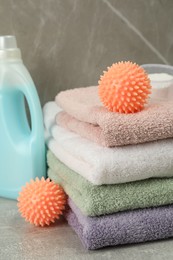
(101,165)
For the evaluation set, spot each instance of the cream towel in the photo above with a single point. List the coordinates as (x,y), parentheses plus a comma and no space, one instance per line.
(102,165)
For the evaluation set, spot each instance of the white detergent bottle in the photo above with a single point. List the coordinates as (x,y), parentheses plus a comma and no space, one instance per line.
(22,148)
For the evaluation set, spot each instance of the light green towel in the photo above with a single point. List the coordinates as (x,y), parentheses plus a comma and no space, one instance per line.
(98,200)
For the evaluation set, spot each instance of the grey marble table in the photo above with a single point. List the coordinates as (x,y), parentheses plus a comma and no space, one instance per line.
(20,240)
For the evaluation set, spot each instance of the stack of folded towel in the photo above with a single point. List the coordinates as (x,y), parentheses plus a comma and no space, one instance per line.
(115,168)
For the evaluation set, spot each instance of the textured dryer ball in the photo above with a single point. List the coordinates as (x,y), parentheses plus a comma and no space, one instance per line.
(124,88)
(41,202)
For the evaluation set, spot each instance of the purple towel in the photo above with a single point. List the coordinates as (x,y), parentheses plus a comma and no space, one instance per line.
(121,228)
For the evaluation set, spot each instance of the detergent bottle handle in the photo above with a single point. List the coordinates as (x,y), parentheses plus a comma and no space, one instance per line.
(30,93)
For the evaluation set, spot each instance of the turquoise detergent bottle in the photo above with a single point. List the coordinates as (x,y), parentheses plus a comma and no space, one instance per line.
(22,149)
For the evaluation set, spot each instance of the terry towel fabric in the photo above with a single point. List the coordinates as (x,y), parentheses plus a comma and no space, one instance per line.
(121,228)
(105,199)
(85,115)
(102,165)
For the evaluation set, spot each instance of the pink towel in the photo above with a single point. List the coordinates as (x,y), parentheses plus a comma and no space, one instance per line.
(84,114)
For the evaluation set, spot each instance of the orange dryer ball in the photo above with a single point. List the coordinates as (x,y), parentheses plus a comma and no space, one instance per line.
(124,88)
(41,202)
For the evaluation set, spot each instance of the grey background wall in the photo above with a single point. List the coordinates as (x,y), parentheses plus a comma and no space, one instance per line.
(68,43)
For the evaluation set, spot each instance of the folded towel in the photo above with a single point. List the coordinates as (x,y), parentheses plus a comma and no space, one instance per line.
(105,199)
(121,228)
(101,165)
(112,129)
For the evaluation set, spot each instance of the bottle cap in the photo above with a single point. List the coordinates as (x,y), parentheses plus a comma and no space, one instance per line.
(8,42)
(8,48)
